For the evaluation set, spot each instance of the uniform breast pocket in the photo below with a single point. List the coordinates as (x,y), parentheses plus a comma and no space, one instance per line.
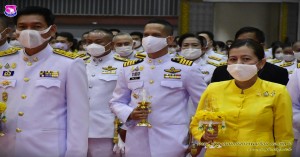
(108,77)
(135,85)
(136,88)
(48,83)
(172,84)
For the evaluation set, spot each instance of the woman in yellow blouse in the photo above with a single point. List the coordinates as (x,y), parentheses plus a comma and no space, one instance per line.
(258,113)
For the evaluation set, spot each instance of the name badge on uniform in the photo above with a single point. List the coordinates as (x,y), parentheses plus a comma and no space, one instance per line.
(53,74)
(136,72)
(109,70)
(8,73)
(173,74)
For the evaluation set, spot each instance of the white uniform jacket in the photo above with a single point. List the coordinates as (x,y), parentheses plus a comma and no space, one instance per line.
(169,85)
(47,105)
(102,77)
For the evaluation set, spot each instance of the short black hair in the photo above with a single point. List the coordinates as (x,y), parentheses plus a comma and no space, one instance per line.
(260,36)
(67,35)
(3,21)
(208,33)
(254,45)
(140,34)
(168,27)
(36,10)
(201,39)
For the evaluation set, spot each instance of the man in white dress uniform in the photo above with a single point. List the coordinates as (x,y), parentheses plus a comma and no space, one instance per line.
(45,91)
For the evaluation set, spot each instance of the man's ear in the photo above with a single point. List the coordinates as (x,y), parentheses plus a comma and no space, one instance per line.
(170,40)
(53,30)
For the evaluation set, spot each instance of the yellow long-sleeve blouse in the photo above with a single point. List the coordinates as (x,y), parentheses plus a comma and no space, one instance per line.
(258,119)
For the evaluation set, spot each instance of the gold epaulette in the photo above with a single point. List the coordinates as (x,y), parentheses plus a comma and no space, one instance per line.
(88,61)
(119,58)
(214,58)
(132,62)
(286,64)
(9,51)
(274,61)
(83,56)
(298,66)
(223,63)
(213,63)
(140,55)
(66,53)
(220,52)
(182,61)
(178,56)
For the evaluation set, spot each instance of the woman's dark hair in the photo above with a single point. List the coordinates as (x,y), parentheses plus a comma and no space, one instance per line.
(275,45)
(201,39)
(255,46)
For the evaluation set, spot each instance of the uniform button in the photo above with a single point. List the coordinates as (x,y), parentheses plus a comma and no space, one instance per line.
(90,86)
(160,61)
(26,79)
(18,130)
(21,113)
(23,96)
(152,67)
(35,59)
(29,63)
(93,75)
(149,61)
(151,81)
(25,59)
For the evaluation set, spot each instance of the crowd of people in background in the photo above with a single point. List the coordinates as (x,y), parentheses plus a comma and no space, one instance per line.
(94,88)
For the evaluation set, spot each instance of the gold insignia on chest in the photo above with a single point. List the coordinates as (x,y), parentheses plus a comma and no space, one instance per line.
(172,70)
(1,66)
(109,70)
(7,66)
(172,76)
(5,83)
(53,74)
(205,72)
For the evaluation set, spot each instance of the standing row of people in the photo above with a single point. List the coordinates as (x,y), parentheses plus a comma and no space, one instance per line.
(78,119)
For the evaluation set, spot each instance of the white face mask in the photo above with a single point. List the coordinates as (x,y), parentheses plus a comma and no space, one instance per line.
(60,45)
(279,56)
(15,43)
(124,51)
(153,44)
(242,72)
(32,38)
(137,43)
(297,55)
(172,50)
(288,57)
(95,50)
(191,53)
